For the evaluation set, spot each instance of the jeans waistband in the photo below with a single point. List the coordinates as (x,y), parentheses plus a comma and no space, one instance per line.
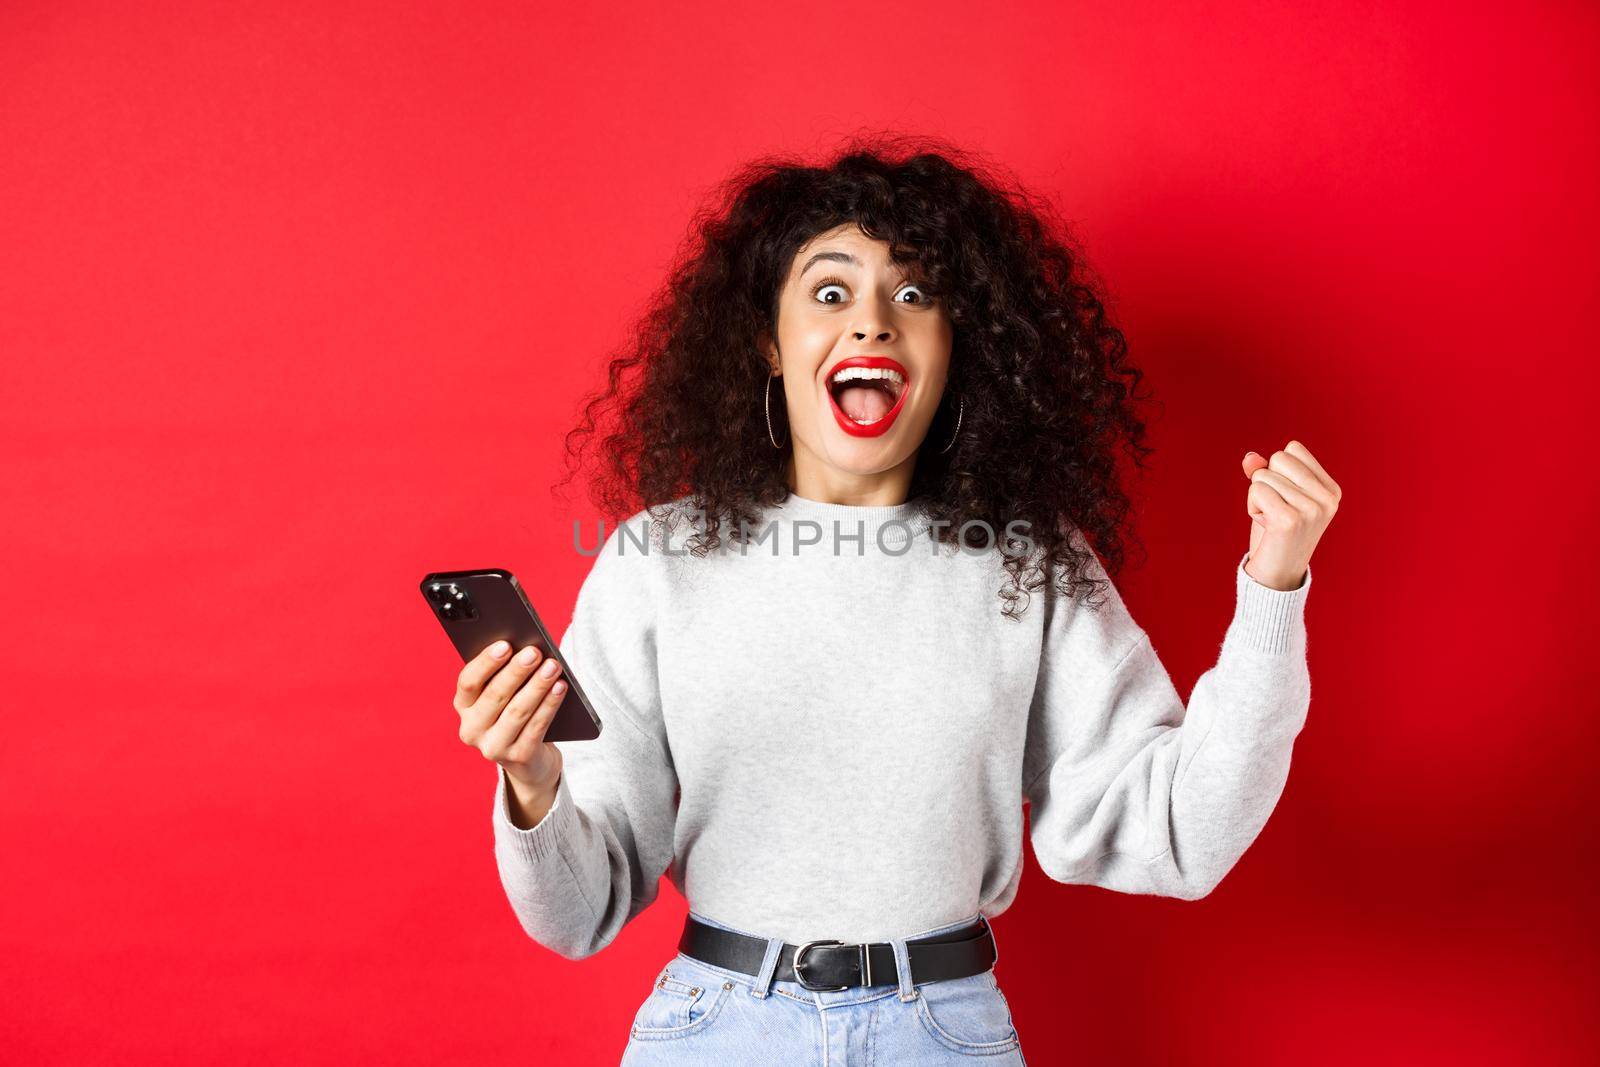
(764,980)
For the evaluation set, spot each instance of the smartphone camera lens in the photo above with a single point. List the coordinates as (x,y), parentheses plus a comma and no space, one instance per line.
(451,601)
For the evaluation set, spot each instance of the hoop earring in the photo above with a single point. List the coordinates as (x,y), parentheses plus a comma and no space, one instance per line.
(766,404)
(957,431)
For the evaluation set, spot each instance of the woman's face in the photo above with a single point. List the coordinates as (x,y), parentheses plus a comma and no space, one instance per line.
(845,309)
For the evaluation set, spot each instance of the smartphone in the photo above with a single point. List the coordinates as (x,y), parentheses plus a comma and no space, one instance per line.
(478,608)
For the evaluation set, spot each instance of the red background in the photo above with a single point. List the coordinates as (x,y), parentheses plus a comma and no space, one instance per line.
(298,299)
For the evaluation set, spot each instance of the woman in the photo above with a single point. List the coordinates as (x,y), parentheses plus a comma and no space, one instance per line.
(882,395)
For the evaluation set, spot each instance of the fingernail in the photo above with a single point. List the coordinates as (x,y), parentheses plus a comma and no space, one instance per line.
(527,655)
(498,649)
(549,668)
(559,687)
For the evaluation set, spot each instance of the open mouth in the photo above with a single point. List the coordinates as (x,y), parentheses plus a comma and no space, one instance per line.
(867,393)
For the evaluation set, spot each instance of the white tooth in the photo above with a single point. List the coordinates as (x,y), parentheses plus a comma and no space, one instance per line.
(869,374)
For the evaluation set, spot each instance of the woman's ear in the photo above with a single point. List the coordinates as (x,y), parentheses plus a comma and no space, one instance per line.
(769,352)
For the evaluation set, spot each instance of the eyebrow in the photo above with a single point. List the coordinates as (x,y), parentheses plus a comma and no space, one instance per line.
(839,257)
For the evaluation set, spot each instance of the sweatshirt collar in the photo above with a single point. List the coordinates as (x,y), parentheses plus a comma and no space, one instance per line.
(900,519)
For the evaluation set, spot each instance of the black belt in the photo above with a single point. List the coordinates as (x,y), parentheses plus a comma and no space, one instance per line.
(834,965)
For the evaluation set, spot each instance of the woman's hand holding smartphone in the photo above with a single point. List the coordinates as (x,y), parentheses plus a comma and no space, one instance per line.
(506,704)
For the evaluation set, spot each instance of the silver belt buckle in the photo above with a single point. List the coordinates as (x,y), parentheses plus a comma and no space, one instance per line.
(800,977)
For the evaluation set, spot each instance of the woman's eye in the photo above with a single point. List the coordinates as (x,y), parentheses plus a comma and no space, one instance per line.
(922,298)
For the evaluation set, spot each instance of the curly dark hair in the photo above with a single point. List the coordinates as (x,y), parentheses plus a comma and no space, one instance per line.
(1048,394)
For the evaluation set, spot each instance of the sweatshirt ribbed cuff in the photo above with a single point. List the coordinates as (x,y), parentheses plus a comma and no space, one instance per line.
(1267,619)
(543,839)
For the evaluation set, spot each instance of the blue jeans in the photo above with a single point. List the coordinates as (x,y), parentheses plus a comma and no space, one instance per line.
(701,1014)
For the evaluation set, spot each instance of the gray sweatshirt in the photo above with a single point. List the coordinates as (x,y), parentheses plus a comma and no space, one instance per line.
(830,733)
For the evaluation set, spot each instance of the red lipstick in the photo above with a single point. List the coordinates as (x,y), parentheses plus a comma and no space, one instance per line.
(873,429)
